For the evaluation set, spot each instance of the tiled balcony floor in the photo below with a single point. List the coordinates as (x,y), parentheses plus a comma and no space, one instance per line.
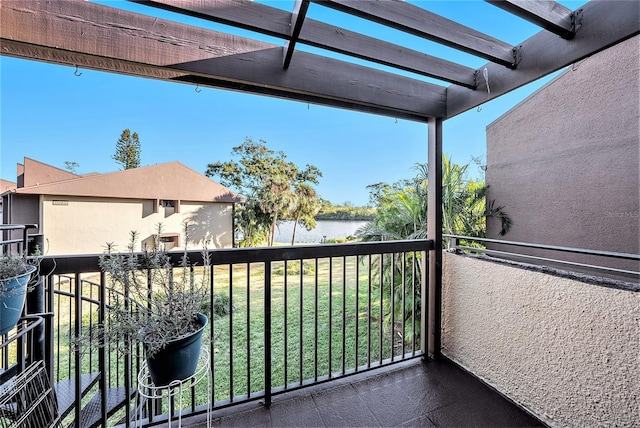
(414,394)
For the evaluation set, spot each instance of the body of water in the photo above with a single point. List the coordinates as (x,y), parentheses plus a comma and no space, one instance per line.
(325,229)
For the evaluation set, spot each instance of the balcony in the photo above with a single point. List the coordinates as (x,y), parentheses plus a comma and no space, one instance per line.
(517,340)
(414,393)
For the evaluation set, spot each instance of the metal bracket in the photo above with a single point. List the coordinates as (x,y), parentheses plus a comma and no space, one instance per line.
(517,56)
(475,79)
(576,21)
(576,24)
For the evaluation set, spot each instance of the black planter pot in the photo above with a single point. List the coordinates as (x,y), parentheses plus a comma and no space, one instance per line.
(178,360)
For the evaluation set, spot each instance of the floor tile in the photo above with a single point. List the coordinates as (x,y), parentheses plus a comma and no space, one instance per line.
(351,412)
(413,394)
(298,412)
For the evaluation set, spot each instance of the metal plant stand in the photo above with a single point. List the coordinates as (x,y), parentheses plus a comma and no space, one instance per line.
(174,391)
(27,399)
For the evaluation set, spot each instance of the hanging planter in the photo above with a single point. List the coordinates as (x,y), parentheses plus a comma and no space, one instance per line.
(177,360)
(12,294)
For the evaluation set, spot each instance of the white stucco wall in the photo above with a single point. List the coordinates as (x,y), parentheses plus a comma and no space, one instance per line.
(566,350)
(85,225)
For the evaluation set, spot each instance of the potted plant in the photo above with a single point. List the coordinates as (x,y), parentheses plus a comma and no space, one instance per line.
(156,305)
(16,276)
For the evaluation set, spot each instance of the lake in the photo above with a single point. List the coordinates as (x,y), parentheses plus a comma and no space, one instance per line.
(325,229)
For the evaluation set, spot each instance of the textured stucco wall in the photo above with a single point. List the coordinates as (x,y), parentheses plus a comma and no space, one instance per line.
(567,351)
(85,225)
(565,162)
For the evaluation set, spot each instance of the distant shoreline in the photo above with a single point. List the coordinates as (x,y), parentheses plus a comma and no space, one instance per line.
(324,230)
(344,216)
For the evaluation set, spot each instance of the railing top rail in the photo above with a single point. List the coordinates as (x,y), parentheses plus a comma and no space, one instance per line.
(11,227)
(618,255)
(17,226)
(89,263)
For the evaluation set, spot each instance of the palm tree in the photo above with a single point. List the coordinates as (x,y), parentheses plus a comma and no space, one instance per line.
(275,200)
(402,214)
(307,204)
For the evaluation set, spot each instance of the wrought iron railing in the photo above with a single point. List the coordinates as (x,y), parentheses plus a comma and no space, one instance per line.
(26,397)
(596,261)
(281,318)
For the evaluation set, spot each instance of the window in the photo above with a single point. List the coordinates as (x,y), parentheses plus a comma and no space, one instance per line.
(169,240)
(170,206)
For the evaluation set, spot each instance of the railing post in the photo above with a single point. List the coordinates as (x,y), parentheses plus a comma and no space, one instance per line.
(424,281)
(102,366)
(78,356)
(453,243)
(267,333)
(35,299)
(434,233)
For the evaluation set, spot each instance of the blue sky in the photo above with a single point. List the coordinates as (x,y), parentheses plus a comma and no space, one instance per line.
(51,115)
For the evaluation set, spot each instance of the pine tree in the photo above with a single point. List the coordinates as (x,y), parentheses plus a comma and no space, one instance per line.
(128,150)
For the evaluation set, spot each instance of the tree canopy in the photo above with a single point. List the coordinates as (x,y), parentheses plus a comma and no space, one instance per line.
(402,214)
(275,189)
(128,150)
(402,206)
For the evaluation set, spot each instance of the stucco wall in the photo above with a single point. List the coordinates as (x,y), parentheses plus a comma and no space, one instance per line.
(85,225)
(565,163)
(567,351)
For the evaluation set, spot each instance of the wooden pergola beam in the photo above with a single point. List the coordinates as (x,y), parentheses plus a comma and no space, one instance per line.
(547,14)
(78,33)
(104,38)
(276,22)
(605,23)
(422,23)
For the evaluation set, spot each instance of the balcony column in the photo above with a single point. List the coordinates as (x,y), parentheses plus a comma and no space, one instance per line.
(434,233)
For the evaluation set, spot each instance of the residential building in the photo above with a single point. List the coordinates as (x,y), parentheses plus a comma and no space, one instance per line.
(5,186)
(80,214)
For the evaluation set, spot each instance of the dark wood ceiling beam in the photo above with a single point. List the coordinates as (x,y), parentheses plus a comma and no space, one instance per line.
(315,33)
(274,22)
(420,22)
(606,22)
(300,8)
(109,39)
(247,15)
(547,14)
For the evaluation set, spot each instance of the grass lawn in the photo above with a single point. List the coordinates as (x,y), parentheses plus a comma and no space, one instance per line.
(325,319)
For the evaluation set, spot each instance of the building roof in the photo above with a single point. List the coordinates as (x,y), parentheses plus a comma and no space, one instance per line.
(6,185)
(171,181)
(32,173)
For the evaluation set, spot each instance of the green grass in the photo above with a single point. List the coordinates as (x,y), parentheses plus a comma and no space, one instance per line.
(305,335)
(317,330)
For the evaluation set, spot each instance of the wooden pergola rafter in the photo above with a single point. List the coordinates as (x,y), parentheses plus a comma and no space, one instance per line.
(79,33)
(82,34)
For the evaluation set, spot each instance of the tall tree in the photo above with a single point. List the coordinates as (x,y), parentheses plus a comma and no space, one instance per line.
(307,204)
(128,150)
(267,180)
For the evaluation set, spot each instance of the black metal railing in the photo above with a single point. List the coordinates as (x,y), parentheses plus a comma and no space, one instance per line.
(281,318)
(18,348)
(79,370)
(551,255)
(26,397)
